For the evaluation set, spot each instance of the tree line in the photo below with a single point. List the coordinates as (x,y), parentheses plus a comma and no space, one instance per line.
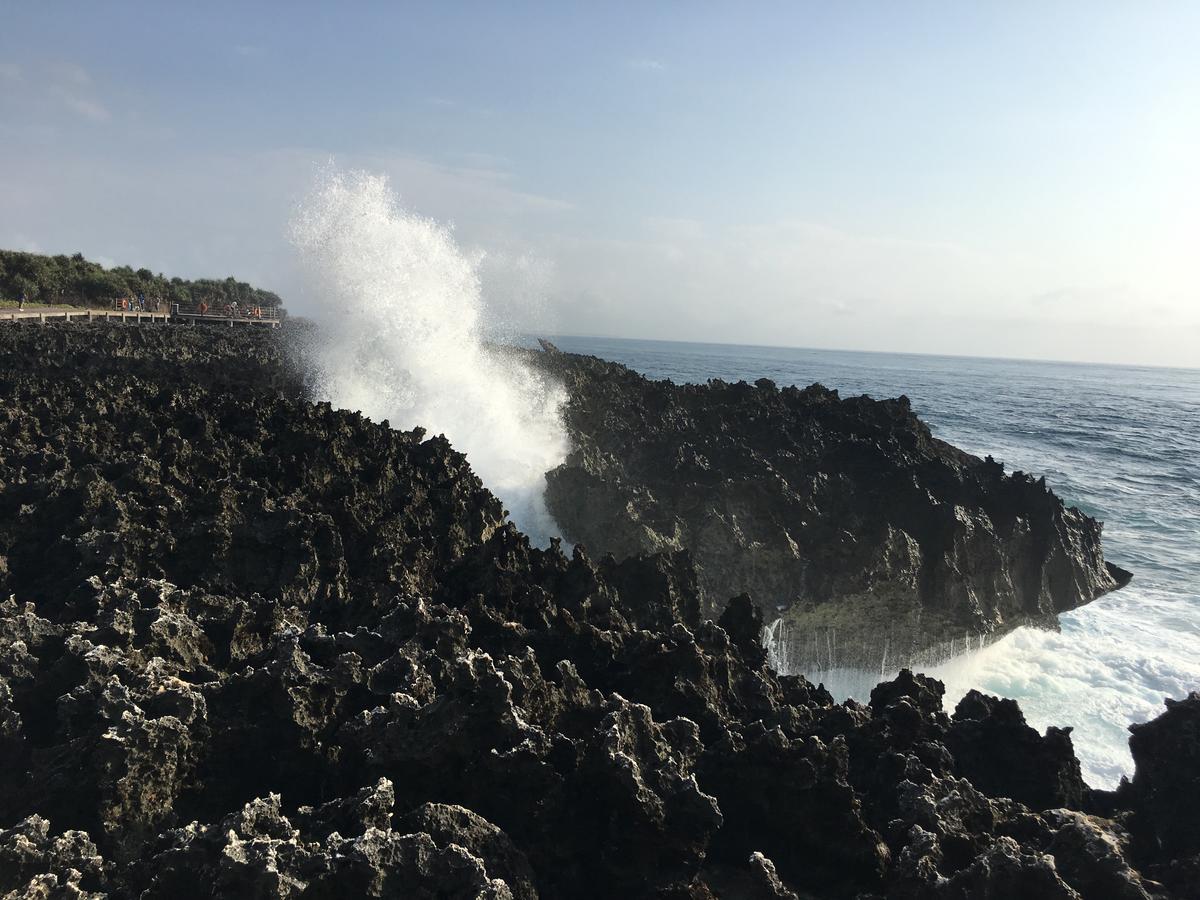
(75,281)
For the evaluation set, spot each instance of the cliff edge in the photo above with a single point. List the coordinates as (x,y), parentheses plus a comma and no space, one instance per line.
(871,539)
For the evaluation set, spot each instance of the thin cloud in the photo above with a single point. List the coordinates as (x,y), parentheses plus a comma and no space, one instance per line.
(646,65)
(248,50)
(91,110)
(475,185)
(486,161)
(70,74)
(60,85)
(459,107)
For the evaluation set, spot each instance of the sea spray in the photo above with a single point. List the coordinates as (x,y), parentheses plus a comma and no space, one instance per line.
(1083,675)
(775,639)
(403,338)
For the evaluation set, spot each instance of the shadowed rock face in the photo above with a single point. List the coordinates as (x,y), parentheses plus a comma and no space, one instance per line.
(1166,793)
(255,647)
(845,516)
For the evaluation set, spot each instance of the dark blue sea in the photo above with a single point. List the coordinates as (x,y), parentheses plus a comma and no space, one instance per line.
(1121,443)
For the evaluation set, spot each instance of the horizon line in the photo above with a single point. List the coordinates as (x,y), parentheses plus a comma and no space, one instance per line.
(1032,359)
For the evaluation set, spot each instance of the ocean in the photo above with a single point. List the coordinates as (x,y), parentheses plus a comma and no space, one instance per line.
(1122,443)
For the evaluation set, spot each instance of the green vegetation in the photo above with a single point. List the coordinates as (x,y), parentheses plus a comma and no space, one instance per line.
(31,304)
(75,281)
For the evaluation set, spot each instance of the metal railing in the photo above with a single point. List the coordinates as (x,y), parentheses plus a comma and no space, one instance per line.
(81,315)
(225,311)
(133,305)
(129,311)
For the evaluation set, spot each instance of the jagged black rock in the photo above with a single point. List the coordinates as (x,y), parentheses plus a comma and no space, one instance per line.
(253,646)
(845,517)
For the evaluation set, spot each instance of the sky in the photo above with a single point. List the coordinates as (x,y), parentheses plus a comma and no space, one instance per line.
(1015,179)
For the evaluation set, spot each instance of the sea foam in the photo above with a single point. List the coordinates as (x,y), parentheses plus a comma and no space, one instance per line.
(1090,675)
(403,337)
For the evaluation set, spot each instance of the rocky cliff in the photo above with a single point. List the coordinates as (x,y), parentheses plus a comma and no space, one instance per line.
(871,538)
(255,647)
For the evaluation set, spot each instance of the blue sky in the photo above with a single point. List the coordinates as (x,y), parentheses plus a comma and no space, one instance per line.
(1015,179)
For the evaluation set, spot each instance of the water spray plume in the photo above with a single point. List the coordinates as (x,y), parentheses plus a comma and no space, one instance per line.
(403,328)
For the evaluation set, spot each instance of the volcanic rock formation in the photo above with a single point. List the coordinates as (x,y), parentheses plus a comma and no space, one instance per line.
(256,647)
(869,537)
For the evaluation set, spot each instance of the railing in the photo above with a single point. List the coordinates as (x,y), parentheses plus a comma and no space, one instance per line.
(265,316)
(81,315)
(226,311)
(129,304)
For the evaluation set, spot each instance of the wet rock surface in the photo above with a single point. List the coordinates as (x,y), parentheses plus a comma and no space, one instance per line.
(251,646)
(845,516)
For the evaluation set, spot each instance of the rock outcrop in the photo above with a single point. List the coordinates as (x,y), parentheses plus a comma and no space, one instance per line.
(870,538)
(252,646)
(1165,794)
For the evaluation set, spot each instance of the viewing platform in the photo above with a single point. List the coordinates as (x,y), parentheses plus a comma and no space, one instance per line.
(192,317)
(267,318)
(85,315)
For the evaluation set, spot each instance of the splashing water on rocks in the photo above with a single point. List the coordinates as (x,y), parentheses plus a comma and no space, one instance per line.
(403,338)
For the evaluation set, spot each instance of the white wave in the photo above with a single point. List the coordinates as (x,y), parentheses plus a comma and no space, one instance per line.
(1095,676)
(403,334)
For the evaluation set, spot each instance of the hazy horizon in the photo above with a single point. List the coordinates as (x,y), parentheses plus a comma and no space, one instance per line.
(1015,359)
(995,180)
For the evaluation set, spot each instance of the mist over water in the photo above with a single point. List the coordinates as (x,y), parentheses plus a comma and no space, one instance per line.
(403,337)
